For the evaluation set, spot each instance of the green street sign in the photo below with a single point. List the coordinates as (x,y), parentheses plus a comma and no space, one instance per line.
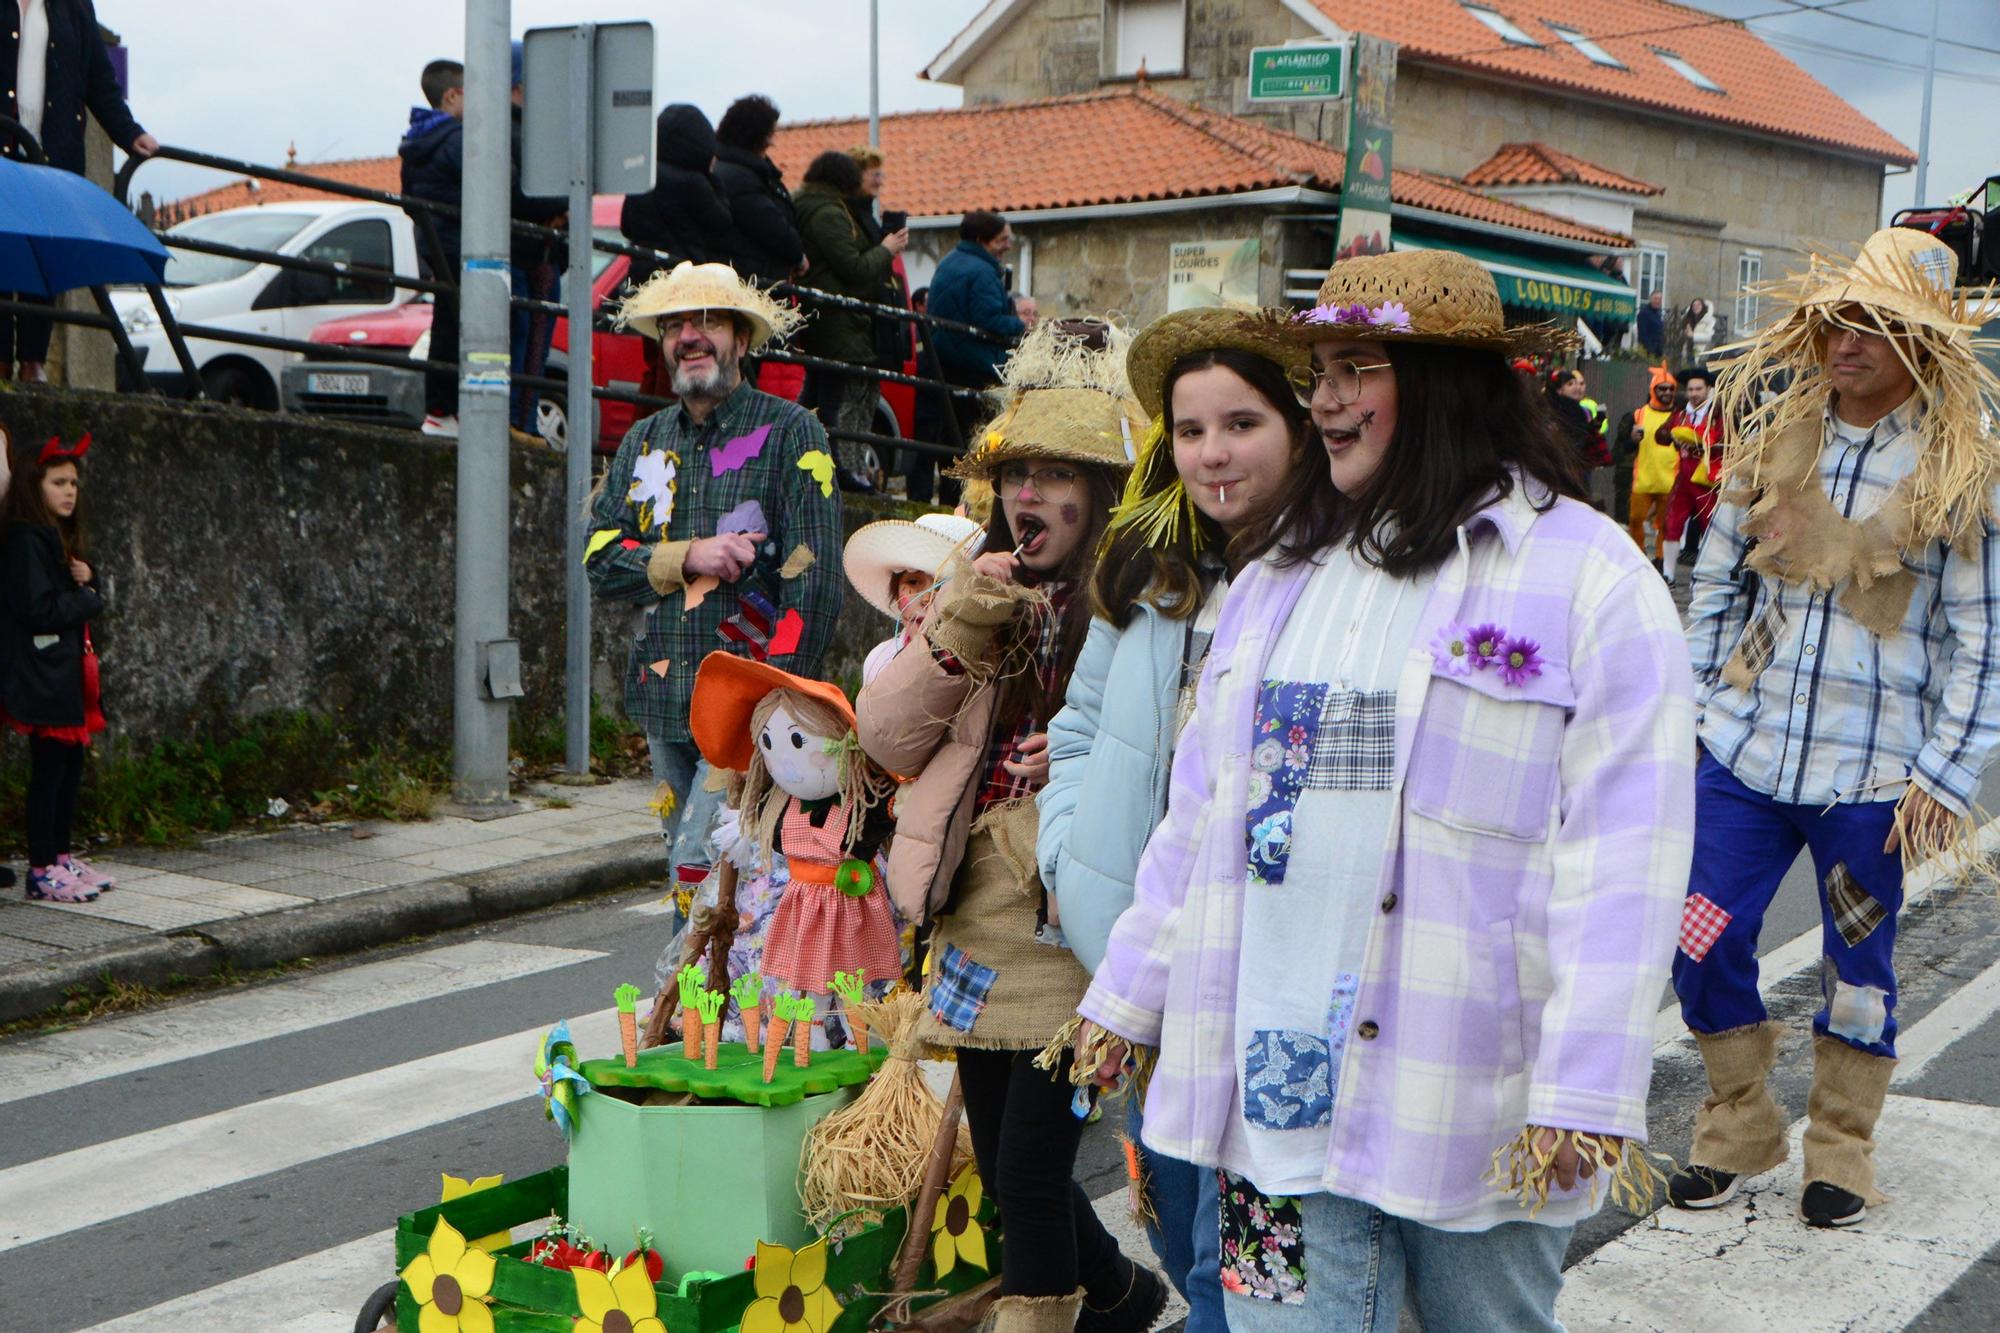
(1297,73)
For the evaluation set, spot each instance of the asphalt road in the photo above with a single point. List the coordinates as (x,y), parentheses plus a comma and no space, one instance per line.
(233,1161)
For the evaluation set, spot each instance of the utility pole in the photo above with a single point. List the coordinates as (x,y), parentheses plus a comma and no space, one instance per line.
(582,407)
(485,662)
(1924,130)
(875,74)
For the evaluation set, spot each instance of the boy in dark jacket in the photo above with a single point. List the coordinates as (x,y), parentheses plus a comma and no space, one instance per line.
(765,245)
(433,168)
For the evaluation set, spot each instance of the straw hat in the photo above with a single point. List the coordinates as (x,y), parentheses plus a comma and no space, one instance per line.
(894,545)
(1066,398)
(727,689)
(1421,296)
(689,287)
(1902,273)
(1167,339)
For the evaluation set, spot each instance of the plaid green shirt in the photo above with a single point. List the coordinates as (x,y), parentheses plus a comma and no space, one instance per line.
(667,467)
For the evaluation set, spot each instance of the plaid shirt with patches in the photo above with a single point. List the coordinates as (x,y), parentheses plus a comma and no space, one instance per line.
(664,630)
(1000,785)
(1839,714)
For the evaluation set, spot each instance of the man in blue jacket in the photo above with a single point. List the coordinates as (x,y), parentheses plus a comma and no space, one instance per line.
(970,287)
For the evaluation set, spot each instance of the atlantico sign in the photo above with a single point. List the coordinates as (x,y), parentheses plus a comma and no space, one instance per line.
(1297,73)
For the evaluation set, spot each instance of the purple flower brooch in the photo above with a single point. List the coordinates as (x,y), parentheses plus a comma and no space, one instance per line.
(1460,650)
(1390,316)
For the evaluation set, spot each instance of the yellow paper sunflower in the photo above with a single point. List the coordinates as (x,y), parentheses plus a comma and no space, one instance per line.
(624,1302)
(791,1291)
(451,1283)
(456,1187)
(954,1233)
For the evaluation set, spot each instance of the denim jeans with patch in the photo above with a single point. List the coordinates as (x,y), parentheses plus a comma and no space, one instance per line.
(1360,1263)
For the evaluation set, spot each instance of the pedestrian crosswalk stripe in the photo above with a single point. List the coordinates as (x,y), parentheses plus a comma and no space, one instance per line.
(319,1293)
(1965,1010)
(67,1060)
(60,1194)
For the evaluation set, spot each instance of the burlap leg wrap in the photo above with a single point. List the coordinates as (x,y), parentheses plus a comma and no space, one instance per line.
(1847,1091)
(1033,1314)
(1739,1127)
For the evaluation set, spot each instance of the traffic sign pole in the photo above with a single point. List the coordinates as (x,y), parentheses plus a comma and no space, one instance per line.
(582,413)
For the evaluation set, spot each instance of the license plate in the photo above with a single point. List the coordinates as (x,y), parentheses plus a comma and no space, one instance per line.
(337,384)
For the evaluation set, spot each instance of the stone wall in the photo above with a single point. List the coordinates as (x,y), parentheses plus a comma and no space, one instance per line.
(259,563)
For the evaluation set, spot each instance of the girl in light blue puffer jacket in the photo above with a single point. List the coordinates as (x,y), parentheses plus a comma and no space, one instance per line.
(1228,427)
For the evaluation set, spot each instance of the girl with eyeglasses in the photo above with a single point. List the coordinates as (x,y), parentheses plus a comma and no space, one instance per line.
(963,712)
(1395,953)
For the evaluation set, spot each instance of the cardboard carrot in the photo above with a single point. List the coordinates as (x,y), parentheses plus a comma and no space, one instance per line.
(627,999)
(748,991)
(848,986)
(691,1033)
(802,1032)
(781,1017)
(710,1004)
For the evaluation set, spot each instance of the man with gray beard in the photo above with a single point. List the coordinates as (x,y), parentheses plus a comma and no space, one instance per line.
(718,521)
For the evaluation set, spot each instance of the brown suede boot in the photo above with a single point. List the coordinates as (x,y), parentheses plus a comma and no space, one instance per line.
(1739,1128)
(1848,1088)
(1034,1314)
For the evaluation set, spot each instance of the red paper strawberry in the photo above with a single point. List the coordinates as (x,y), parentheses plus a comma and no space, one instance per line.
(655,1264)
(598,1259)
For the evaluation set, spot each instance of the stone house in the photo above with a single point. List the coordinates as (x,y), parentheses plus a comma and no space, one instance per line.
(1104,186)
(1733,160)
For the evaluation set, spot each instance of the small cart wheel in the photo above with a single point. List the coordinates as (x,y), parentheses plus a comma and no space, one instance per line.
(380,1306)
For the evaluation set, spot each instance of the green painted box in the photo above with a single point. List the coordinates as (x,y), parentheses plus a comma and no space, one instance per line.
(708,1180)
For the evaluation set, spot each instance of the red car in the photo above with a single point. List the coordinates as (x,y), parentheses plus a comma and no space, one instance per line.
(617,360)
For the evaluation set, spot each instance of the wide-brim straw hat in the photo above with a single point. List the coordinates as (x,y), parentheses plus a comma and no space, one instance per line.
(1162,344)
(689,287)
(895,545)
(1421,296)
(1902,274)
(1065,398)
(728,688)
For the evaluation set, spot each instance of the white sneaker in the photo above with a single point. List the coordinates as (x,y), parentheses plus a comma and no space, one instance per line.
(444,426)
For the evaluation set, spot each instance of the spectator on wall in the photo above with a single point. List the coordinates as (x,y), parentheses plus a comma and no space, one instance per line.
(969,287)
(1653,324)
(895,339)
(765,245)
(1697,330)
(535,264)
(53,66)
(684,214)
(841,260)
(433,168)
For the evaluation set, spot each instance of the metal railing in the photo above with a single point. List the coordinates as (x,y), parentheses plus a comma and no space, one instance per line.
(425,215)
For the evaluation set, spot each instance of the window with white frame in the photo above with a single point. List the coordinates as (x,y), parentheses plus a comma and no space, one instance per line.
(1148,33)
(1652,272)
(1681,66)
(1502,26)
(1749,272)
(1596,54)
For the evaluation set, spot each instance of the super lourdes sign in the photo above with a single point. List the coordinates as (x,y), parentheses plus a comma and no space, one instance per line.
(1543,294)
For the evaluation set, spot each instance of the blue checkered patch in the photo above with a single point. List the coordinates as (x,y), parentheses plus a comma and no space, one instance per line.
(958,988)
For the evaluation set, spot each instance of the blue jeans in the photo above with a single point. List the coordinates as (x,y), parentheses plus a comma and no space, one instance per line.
(1744,842)
(1359,1261)
(1185,1230)
(680,765)
(530,332)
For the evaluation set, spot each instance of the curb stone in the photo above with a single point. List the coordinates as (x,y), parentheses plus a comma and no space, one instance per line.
(334,926)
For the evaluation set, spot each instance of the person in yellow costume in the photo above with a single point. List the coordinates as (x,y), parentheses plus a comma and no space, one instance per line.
(1654,466)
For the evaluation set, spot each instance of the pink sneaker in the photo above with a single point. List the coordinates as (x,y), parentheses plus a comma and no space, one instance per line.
(87,872)
(58,884)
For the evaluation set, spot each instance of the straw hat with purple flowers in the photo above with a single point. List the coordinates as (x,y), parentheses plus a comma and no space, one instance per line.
(1424,296)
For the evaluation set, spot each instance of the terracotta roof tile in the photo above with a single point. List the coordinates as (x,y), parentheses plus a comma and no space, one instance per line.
(1021,156)
(371,173)
(1539,164)
(1761,89)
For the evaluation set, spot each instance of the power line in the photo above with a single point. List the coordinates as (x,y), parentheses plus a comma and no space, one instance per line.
(1869,58)
(1890,27)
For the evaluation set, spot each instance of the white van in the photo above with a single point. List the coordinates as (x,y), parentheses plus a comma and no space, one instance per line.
(240,295)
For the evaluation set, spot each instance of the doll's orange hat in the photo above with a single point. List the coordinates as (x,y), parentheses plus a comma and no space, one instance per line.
(728,688)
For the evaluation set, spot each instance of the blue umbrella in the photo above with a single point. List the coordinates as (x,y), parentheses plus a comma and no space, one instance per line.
(58,231)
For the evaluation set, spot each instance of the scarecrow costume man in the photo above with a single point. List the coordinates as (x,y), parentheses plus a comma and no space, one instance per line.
(1844,629)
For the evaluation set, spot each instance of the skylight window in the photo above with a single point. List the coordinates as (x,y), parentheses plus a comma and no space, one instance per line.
(1687,71)
(1597,54)
(1503,26)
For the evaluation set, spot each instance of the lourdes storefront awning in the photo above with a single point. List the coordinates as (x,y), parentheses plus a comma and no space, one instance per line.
(1559,286)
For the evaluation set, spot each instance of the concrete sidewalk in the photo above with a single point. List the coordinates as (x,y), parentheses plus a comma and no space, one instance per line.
(249,901)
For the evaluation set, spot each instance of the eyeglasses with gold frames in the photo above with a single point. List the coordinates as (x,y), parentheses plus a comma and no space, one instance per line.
(1340,378)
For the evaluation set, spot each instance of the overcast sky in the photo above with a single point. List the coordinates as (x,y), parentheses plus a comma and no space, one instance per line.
(248,78)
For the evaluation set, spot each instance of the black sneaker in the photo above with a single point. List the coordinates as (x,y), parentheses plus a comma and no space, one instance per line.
(1701,1187)
(1824,1205)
